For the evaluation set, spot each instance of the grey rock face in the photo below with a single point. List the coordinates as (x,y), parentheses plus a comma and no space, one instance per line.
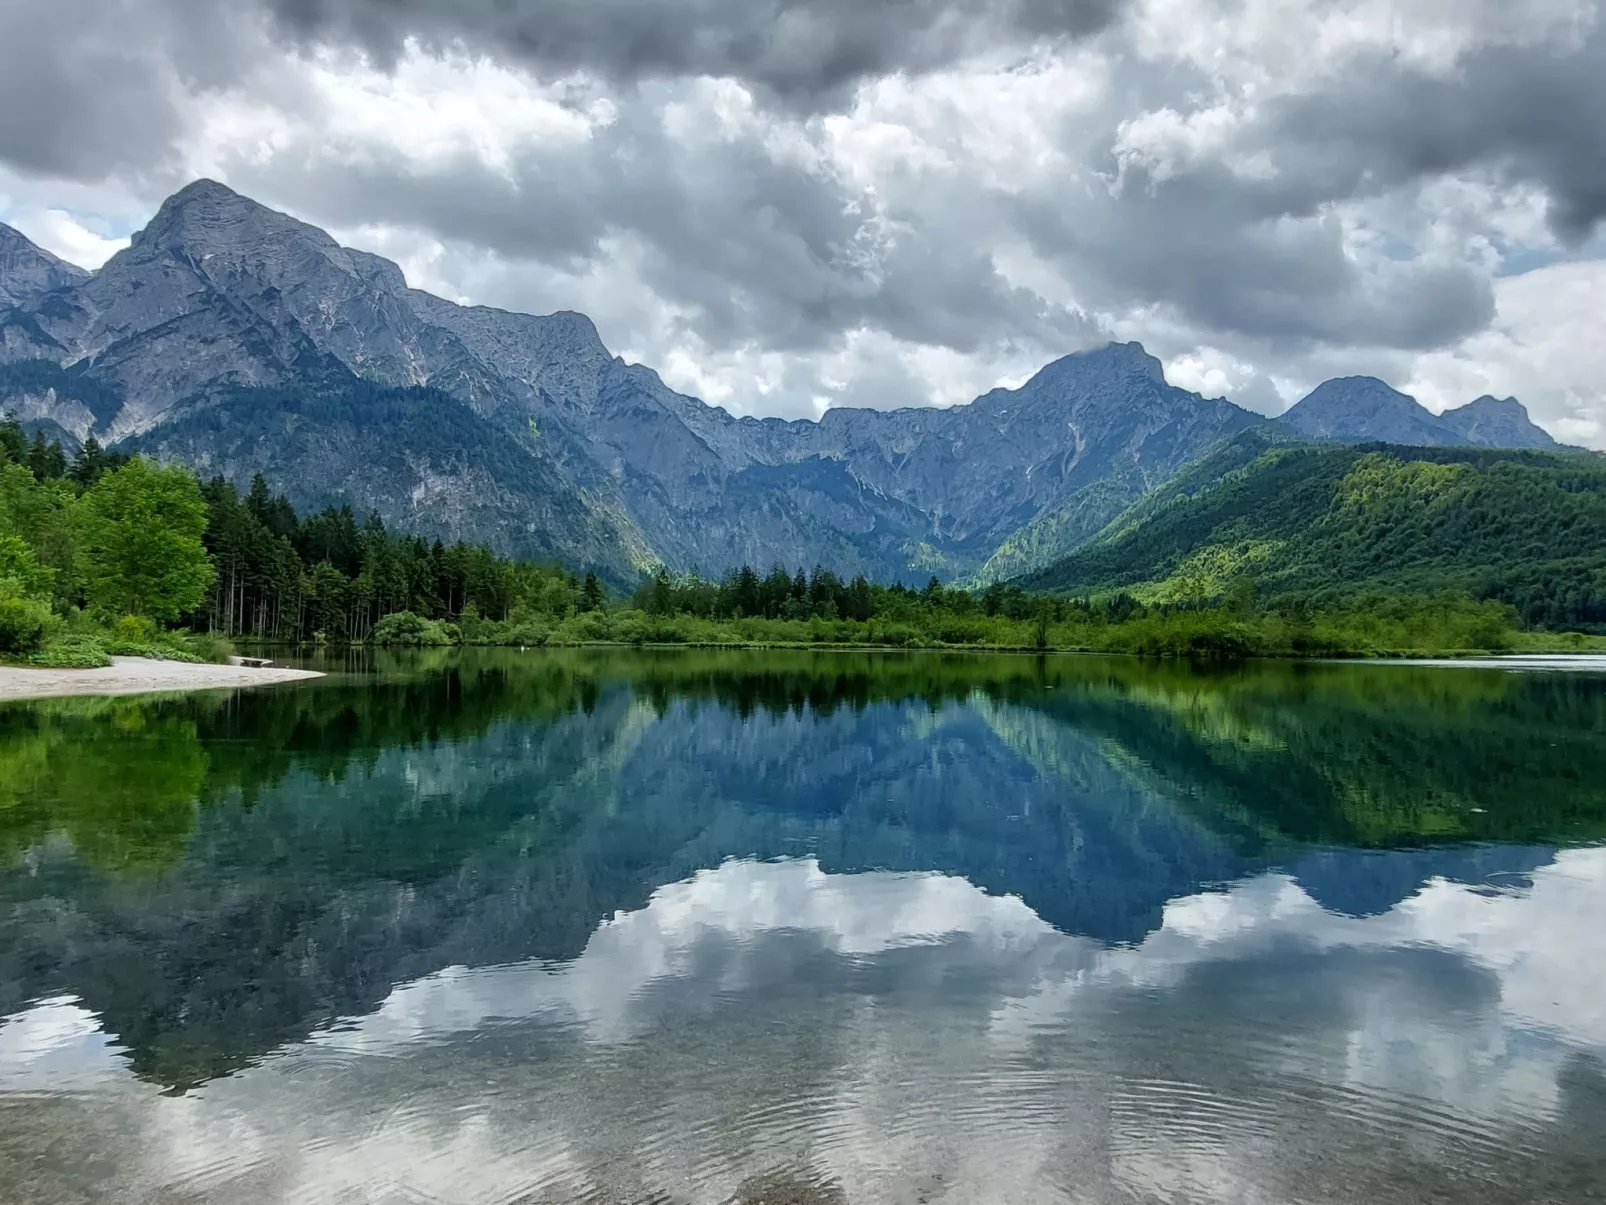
(236,337)
(28,272)
(1496,423)
(1365,410)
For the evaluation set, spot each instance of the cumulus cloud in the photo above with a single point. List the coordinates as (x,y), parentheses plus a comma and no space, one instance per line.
(58,232)
(794,203)
(1525,114)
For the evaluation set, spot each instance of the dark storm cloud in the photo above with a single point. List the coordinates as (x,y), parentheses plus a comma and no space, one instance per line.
(750,249)
(76,99)
(801,50)
(1252,258)
(90,89)
(1528,114)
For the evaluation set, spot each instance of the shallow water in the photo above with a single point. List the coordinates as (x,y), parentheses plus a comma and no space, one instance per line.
(697,927)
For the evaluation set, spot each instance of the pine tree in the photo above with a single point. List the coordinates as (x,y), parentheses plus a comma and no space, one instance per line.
(91,463)
(591,594)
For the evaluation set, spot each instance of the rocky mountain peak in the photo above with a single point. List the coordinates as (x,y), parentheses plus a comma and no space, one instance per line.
(1348,391)
(1113,359)
(28,271)
(1488,402)
(207,218)
(1496,422)
(1365,410)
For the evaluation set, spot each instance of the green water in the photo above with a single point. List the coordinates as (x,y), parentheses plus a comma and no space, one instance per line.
(712,927)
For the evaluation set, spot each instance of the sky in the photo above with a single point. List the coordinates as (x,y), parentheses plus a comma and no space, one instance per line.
(784,205)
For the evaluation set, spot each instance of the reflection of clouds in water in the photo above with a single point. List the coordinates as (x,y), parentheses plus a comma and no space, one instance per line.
(709,930)
(880,1028)
(1545,944)
(56,1044)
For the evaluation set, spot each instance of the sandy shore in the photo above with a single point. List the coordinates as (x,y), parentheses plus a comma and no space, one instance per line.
(137,676)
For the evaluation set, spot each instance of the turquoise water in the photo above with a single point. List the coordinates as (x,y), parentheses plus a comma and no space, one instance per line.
(698,927)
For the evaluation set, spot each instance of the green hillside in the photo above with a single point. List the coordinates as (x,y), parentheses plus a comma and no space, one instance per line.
(1329,522)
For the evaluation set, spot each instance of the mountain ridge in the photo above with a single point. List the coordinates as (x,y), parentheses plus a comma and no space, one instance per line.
(1367,410)
(220,299)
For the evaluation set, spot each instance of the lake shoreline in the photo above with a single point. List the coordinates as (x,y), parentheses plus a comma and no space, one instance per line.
(138,676)
(1421,656)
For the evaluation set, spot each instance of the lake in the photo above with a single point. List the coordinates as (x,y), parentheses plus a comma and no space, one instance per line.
(629,927)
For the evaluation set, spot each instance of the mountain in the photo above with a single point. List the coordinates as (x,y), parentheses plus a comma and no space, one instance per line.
(239,339)
(1496,423)
(28,272)
(27,275)
(1365,410)
(1523,526)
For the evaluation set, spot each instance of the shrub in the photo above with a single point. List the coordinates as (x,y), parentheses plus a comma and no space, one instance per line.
(133,629)
(583,628)
(210,647)
(406,628)
(158,651)
(71,652)
(25,625)
(898,635)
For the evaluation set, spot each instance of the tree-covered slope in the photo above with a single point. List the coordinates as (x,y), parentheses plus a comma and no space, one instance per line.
(1528,528)
(416,456)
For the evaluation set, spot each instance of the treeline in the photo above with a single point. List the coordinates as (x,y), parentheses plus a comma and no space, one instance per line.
(327,577)
(47,462)
(100,541)
(104,554)
(96,554)
(821,594)
(693,611)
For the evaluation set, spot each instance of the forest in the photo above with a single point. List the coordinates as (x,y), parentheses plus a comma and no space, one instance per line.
(102,554)
(1325,523)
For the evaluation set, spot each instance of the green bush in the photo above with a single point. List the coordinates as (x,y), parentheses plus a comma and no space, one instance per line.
(71,652)
(134,629)
(137,636)
(156,651)
(897,635)
(25,625)
(407,628)
(209,647)
(583,629)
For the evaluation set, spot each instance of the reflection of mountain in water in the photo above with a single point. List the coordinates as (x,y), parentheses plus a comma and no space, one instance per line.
(359,835)
(903,1036)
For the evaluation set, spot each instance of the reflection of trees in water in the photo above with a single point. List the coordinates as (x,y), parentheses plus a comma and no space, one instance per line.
(1376,756)
(1382,757)
(119,780)
(283,857)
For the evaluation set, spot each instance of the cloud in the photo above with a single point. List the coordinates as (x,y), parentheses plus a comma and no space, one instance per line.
(1526,114)
(1543,345)
(792,203)
(82,94)
(747,234)
(58,232)
(802,51)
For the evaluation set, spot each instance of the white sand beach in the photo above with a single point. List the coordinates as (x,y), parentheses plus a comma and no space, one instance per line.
(137,676)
